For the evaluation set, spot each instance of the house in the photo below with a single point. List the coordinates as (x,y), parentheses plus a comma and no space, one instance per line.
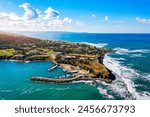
(67,57)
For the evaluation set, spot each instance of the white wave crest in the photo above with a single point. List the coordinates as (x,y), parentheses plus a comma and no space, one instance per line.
(124,84)
(105,93)
(137,55)
(82,81)
(123,51)
(120,59)
(140,51)
(149,76)
(98,45)
(27,61)
(146,76)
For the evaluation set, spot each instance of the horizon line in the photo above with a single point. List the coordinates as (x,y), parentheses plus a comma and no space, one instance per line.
(10,31)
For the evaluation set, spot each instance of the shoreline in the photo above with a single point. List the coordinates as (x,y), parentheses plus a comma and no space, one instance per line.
(77,77)
(112,76)
(71,69)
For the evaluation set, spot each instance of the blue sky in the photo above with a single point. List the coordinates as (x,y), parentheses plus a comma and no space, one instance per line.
(102,16)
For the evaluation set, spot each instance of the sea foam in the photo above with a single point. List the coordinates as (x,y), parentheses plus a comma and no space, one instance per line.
(124,51)
(105,93)
(98,45)
(124,83)
(137,55)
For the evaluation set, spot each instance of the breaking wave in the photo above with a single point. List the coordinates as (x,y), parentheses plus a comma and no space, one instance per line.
(105,93)
(137,55)
(98,45)
(124,83)
(120,59)
(123,51)
(82,81)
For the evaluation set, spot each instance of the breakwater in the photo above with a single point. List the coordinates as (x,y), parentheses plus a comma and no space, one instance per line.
(68,80)
(53,68)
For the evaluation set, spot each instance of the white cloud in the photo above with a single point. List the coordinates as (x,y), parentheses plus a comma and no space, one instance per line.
(55,23)
(30,13)
(33,19)
(67,20)
(59,23)
(50,13)
(93,15)
(9,16)
(106,18)
(142,20)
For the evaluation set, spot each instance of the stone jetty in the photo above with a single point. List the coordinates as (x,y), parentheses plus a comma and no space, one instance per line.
(56,80)
(53,68)
(78,77)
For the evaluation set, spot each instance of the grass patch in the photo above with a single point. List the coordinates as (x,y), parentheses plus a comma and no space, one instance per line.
(7,52)
(51,52)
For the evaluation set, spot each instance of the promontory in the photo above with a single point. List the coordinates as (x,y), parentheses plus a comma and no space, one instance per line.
(85,61)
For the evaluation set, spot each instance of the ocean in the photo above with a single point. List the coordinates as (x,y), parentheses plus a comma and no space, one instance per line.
(130,64)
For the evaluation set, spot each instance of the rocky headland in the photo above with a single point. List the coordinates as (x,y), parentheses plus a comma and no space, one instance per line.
(84,60)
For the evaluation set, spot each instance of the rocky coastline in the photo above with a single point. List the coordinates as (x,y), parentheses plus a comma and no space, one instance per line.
(111,76)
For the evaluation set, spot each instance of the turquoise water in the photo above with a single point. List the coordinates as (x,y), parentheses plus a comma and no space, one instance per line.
(130,63)
(15,83)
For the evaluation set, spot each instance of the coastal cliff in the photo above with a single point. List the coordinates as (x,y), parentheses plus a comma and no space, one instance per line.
(82,58)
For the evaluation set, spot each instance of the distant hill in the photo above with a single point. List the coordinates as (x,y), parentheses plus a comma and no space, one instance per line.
(18,39)
(14,40)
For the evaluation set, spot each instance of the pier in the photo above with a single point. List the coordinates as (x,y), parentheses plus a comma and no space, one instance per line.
(78,77)
(53,68)
(56,80)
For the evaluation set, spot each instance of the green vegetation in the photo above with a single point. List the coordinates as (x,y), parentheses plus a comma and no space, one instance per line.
(7,52)
(50,52)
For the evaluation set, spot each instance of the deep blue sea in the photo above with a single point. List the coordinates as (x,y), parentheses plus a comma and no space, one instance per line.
(130,63)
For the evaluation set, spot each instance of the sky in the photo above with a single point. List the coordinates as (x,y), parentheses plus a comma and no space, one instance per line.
(96,16)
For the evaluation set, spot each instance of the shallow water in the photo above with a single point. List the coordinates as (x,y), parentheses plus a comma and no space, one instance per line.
(15,83)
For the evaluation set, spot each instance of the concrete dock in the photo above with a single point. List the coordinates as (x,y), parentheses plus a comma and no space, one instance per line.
(53,68)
